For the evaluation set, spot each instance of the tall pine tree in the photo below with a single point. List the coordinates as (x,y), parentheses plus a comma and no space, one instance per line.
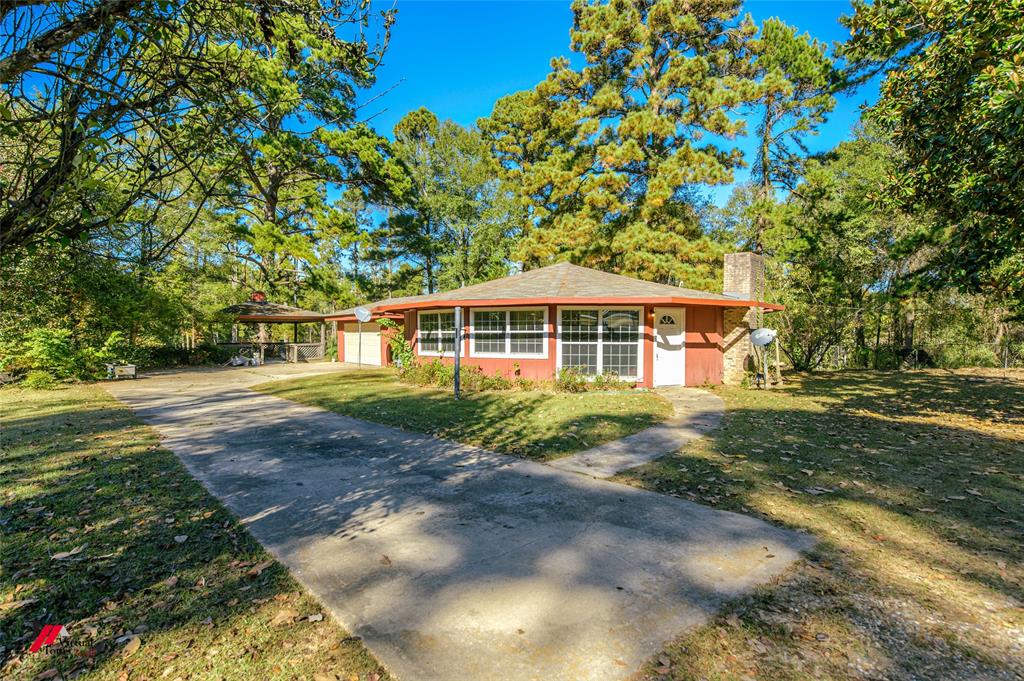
(609,158)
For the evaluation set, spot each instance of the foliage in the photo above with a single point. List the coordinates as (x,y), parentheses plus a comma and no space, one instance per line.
(457,224)
(439,374)
(795,78)
(53,352)
(38,379)
(831,251)
(607,157)
(570,380)
(401,349)
(103,103)
(952,101)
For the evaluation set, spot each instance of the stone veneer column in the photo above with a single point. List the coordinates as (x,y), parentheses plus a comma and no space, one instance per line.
(744,278)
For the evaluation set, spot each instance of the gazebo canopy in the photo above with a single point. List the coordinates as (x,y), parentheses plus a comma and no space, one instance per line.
(270,313)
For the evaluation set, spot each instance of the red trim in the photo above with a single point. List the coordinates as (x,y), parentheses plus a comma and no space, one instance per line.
(352,317)
(339,330)
(512,302)
(648,346)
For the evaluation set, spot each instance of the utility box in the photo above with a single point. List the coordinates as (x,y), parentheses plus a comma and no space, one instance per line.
(115,371)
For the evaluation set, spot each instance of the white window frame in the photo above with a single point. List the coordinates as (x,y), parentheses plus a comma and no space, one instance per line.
(419,333)
(508,354)
(601,309)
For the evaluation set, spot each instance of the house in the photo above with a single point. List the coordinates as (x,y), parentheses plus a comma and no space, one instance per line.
(535,323)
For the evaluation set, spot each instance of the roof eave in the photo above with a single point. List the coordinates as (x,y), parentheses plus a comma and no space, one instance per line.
(279,318)
(381,310)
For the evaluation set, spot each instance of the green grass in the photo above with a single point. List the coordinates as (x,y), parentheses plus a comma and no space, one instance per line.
(532,424)
(914,485)
(82,474)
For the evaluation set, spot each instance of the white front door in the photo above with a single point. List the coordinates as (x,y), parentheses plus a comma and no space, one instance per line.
(669,346)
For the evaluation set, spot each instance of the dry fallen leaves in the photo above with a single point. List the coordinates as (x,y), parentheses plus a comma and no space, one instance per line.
(284,616)
(14,605)
(131,646)
(67,554)
(257,570)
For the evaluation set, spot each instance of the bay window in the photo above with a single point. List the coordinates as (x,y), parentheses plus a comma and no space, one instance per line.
(601,341)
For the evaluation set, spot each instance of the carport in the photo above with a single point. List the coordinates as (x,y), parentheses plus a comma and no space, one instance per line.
(261,313)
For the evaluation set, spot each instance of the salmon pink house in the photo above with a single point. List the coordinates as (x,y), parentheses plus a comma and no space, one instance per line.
(538,322)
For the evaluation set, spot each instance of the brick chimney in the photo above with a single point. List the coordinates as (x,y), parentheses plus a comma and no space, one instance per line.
(743,278)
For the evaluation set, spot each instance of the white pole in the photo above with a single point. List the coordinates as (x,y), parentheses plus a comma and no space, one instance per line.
(359,353)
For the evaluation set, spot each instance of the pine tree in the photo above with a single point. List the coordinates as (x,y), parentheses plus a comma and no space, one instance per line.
(796,78)
(608,159)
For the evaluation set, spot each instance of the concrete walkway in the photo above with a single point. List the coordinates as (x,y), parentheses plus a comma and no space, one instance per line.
(696,413)
(449,561)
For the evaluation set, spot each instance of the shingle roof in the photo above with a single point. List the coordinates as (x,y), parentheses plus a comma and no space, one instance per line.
(262,311)
(562,282)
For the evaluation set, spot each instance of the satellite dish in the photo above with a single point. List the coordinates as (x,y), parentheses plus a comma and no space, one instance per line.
(363,314)
(762,337)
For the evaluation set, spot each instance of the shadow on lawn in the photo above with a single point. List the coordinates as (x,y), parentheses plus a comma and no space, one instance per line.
(445,554)
(94,477)
(915,484)
(504,421)
(990,397)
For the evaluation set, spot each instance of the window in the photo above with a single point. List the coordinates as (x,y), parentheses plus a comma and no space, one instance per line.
(508,332)
(436,333)
(489,335)
(620,343)
(526,332)
(667,320)
(580,340)
(601,341)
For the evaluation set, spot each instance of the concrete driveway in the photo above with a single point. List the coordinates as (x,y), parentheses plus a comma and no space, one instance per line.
(449,561)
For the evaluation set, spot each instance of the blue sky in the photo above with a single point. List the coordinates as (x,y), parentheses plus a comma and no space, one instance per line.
(457,57)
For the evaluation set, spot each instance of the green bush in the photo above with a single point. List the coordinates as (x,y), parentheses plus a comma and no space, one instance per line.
(55,352)
(442,375)
(473,379)
(39,380)
(571,380)
(401,348)
(962,356)
(50,351)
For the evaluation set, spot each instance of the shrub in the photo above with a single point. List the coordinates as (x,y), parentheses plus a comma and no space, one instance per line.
(50,351)
(401,348)
(441,375)
(39,380)
(962,356)
(570,380)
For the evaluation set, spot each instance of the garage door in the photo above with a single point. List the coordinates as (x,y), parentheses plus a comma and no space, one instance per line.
(369,339)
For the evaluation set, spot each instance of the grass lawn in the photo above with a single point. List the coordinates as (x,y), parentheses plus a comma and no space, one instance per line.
(104,532)
(914,485)
(531,424)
